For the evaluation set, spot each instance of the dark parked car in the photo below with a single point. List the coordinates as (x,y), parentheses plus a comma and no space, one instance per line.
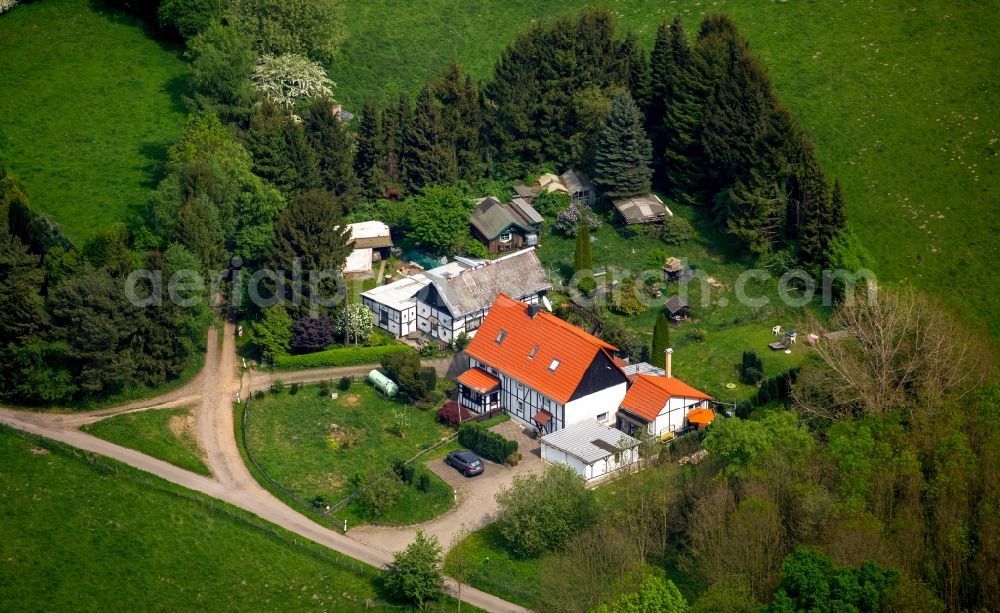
(467,463)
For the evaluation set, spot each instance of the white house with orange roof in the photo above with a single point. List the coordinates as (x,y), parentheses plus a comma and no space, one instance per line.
(544,372)
(663,405)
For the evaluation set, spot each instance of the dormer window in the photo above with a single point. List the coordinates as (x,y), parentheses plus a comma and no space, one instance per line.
(533,353)
(554,365)
(501,336)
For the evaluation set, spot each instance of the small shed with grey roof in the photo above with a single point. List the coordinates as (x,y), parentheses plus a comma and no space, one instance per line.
(506,226)
(592,449)
(642,209)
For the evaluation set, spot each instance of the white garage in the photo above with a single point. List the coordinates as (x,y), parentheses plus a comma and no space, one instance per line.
(591,448)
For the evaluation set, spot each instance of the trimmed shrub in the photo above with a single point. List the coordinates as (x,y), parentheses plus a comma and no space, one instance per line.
(485,442)
(513,459)
(752,368)
(277,387)
(345,356)
(344,384)
(324,387)
(258,394)
(294,389)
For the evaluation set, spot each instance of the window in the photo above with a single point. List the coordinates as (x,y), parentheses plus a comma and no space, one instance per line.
(473,324)
(505,237)
(384,318)
(533,353)
(501,336)
(602,417)
(554,365)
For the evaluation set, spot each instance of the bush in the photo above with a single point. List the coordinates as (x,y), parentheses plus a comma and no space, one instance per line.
(258,394)
(344,384)
(539,514)
(424,482)
(587,285)
(277,387)
(294,389)
(698,334)
(453,414)
(324,387)
(415,573)
(752,368)
(428,350)
(331,358)
(461,341)
(485,442)
(676,230)
(513,459)
(380,490)
(400,422)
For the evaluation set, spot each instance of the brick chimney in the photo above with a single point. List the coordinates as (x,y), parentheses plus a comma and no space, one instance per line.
(670,352)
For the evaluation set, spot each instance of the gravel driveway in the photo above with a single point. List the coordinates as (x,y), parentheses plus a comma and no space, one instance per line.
(476,503)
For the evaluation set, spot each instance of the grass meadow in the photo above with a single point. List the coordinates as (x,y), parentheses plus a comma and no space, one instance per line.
(87,534)
(290,436)
(88,106)
(901,98)
(167,434)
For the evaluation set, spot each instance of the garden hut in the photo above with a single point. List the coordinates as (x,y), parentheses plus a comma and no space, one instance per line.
(673,269)
(677,308)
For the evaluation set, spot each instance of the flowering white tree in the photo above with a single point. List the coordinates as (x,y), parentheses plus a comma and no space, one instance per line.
(6,5)
(288,78)
(360,320)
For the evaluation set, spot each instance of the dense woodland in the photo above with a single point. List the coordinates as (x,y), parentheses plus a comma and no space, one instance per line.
(870,484)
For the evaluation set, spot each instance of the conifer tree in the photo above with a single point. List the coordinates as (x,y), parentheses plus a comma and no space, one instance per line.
(310,236)
(635,67)
(332,144)
(661,340)
(428,152)
(370,155)
(396,121)
(662,74)
(583,259)
(623,156)
(462,115)
(280,152)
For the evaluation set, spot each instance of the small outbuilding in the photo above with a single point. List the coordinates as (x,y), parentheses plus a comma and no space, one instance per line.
(673,270)
(592,449)
(642,209)
(677,308)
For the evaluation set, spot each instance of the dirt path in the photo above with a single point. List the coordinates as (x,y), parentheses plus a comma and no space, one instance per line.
(212,393)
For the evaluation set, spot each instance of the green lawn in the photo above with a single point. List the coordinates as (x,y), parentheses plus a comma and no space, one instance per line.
(482,560)
(93,535)
(90,104)
(167,434)
(290,437)
(902,99)
(729,327)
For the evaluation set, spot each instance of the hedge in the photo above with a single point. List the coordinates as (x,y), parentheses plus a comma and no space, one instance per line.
(485,442)
(345,356)
(778,387)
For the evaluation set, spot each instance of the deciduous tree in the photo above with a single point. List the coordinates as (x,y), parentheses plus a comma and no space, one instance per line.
(415,573)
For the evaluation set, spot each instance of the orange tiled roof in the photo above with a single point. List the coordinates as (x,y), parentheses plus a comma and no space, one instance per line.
(648,394)
(701,417)
(517,356)
(479,380)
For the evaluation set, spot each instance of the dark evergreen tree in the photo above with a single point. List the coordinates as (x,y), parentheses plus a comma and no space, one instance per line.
(661,340)
(623,154)
(395,123)
(753,212)
(370,155)
(311,244)
(462,116)
(531,100)
(333,144)
(663,75)
(21,309)
(428,150)
(280,152)
(635,65)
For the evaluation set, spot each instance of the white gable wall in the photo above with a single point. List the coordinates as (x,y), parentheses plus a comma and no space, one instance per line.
(673,417)
(589,407)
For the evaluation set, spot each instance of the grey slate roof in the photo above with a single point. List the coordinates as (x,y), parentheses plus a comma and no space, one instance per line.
(518,275)
(675,304)
(589,440)
(576,181)
(639,209)
(491,217)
